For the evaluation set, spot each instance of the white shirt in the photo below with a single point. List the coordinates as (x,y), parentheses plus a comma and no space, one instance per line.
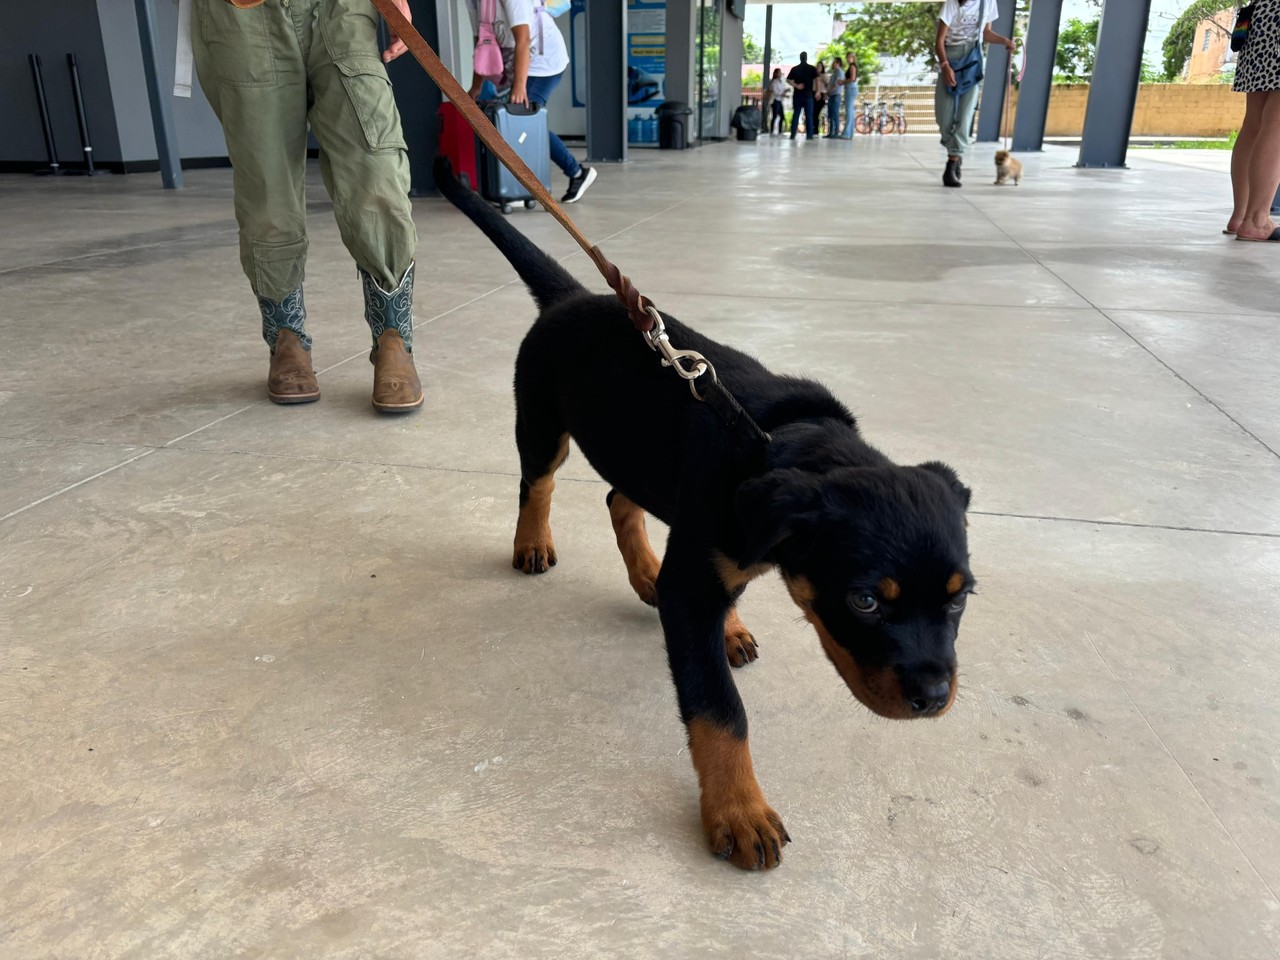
(778,87)
(965,21)
(548,55)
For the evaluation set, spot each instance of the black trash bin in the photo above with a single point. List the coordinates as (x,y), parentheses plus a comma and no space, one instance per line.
(672,125)
(746,120)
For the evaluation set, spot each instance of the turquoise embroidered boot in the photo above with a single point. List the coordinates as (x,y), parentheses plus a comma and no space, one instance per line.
(396,387)
(291,378)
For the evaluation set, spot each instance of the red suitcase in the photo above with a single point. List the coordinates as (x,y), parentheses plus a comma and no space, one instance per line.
(458,144)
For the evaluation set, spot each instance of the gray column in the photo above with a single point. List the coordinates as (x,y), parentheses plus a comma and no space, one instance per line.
(1037,80)
(681,43)
(768,61)
(1113,91)
(418,100)
(161,112)
(606,81)
(991,111)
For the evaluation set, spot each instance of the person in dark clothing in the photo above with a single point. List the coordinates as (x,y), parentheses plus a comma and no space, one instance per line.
(802,78)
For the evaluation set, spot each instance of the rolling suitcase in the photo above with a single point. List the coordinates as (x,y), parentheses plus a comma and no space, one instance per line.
(525,131)
(458,144)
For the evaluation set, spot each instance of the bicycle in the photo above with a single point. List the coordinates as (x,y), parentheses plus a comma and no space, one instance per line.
(895,122)
(866,118)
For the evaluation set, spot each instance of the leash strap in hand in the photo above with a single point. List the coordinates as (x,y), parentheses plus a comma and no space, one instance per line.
(637,304)
(644,315)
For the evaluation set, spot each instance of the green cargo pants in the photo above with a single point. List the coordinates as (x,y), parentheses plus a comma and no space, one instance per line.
(270,70)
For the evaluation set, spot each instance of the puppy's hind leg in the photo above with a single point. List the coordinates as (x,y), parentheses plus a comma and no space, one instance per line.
(543,446)
(633,543)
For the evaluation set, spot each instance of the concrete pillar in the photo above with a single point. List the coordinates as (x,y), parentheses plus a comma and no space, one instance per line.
(730,81)
(418,99)
(1113,91)
(161,112)
(1037,79)
(768,61)
(991,110)
(607,81)
(681,35)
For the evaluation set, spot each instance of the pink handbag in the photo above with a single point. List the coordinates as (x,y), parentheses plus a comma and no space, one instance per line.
(488,58)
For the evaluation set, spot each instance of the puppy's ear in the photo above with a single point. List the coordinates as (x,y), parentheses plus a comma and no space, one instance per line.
(953,481)
(781,505)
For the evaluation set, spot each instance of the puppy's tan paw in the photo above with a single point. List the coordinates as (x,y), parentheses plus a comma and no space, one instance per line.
(739,645)
(535,554)
(749,835)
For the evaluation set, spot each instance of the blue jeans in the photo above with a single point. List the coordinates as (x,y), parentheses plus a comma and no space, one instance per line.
(810,120)
(539,90)
(833,114)
(850,110)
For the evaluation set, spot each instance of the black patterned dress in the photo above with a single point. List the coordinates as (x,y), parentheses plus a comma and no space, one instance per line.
(1258,66)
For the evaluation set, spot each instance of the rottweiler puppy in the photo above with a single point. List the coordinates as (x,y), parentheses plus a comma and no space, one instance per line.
(874,553)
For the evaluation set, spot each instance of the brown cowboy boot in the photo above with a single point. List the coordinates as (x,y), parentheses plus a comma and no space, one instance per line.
(291,379)
(396,387)
(284,323)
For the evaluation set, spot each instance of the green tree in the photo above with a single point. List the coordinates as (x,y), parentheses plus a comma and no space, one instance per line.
(855,47)
(754,80)
(1077,48)
(894,29)
(1182,35)
(753,52)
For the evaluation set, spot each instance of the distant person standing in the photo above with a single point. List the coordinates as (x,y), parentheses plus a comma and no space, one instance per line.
(963,25)
(1255,159)
(850,99)
(819,95)
(835,91)
(777,92)
(801,78)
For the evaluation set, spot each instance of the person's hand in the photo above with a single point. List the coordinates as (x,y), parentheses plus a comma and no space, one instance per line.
(1010,45)
(476,86)
(519,93)
(948,75)
(397,46)
(798,86)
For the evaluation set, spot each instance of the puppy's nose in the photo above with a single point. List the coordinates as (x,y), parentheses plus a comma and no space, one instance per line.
(929,698)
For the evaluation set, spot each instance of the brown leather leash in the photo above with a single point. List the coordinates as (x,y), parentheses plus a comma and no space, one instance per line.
(689,364)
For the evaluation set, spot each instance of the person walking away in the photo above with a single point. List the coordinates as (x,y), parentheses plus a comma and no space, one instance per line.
(777,94)
(534,59)
(963,26)
(850,99)
(802,78)
(269,69)
(1255,159)
(835,91)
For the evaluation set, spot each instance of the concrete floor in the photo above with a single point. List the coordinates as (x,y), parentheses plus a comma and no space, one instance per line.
(269,687)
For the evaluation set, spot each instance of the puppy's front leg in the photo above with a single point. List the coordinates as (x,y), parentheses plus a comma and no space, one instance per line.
(692,602)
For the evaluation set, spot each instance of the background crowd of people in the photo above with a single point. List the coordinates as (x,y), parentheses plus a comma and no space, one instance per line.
(815,94)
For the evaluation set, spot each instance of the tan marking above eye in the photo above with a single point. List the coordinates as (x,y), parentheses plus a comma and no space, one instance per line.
(889,588)
(956,583)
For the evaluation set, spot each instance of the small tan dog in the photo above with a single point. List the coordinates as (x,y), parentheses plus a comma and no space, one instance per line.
(1007,167)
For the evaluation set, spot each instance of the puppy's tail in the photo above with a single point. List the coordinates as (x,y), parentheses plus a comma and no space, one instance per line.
(549,282)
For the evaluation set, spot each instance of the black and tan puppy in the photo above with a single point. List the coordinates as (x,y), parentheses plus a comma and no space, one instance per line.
(1008,167)
(874,553)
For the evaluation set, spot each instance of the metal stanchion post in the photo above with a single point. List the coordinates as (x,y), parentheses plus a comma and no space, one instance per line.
(50,147)
(81,119)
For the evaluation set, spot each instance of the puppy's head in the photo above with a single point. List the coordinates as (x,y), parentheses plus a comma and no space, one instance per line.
(1002,157)
(877,559)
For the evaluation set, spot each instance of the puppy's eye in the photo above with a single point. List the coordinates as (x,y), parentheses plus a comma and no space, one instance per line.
(863,602)
(956,605)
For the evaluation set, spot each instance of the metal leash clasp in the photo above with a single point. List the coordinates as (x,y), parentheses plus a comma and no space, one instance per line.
(689,364)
